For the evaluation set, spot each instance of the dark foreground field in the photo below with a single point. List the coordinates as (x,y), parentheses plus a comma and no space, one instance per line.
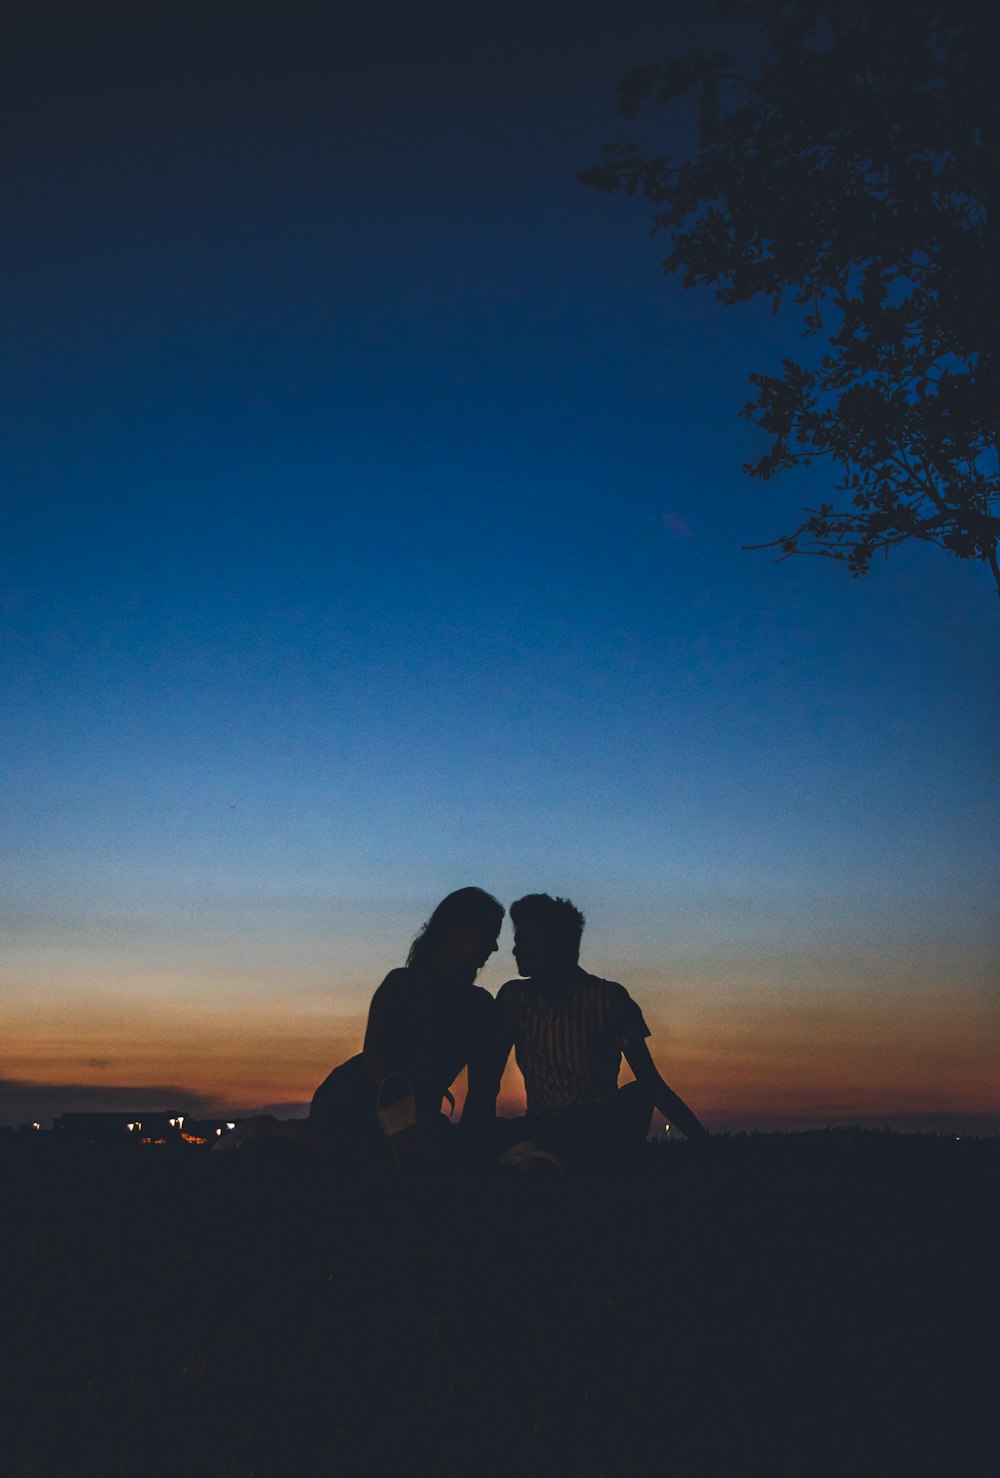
(786,1305)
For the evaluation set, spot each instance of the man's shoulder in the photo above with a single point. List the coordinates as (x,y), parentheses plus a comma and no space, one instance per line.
(600,986)
(586,976)
(610,999)
(615,1006)
(581,985)
(517,1000)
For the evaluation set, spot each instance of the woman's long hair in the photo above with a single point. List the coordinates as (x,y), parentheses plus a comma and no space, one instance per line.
(467,908)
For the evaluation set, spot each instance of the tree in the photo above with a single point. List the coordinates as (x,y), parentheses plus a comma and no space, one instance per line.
(851,169)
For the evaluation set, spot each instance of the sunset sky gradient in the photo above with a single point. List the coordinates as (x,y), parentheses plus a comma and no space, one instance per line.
(373,517)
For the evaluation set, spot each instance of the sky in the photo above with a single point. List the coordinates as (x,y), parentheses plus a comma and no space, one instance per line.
(373,524)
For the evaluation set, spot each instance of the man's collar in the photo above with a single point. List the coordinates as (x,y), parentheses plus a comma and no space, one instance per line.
(556,979)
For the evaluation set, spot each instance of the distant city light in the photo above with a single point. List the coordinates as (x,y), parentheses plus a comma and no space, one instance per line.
(230,1125)
(218,1131)
(36,1126)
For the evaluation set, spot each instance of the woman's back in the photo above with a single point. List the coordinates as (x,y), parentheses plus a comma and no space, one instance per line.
(428,1028)
(424,1027)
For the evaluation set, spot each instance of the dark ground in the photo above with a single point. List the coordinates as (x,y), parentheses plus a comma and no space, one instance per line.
(773,1305)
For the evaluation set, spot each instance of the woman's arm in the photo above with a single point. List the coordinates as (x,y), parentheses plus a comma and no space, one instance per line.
(486,1065)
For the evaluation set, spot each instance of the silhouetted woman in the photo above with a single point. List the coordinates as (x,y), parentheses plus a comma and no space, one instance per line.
(427,1021)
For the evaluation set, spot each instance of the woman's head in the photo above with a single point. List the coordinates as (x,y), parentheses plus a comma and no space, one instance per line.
(460,934)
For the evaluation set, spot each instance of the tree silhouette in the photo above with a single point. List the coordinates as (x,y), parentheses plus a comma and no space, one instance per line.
(851,168)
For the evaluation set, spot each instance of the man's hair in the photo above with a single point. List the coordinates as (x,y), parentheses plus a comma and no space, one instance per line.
(555,918)
(468,908)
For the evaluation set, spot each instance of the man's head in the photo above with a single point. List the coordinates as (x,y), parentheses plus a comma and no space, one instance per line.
(546,934)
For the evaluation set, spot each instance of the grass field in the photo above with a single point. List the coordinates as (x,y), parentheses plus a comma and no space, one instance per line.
(773,1305)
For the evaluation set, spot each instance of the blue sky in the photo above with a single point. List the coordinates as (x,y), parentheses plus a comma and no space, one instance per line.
(374,514)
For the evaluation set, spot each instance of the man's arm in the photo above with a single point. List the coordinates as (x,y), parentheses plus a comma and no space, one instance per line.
(673,1108)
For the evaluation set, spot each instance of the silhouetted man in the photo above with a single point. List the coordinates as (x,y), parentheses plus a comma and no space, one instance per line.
(569,1031)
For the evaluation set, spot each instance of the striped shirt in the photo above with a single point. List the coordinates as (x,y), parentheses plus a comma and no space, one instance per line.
(568,1037)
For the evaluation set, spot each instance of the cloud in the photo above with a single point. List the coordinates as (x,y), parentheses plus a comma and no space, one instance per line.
(23,1101)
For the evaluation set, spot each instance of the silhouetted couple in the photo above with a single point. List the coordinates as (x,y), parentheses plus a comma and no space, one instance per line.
(569,1031)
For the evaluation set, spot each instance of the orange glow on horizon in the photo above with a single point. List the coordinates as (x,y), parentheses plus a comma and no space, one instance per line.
(809,1058)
